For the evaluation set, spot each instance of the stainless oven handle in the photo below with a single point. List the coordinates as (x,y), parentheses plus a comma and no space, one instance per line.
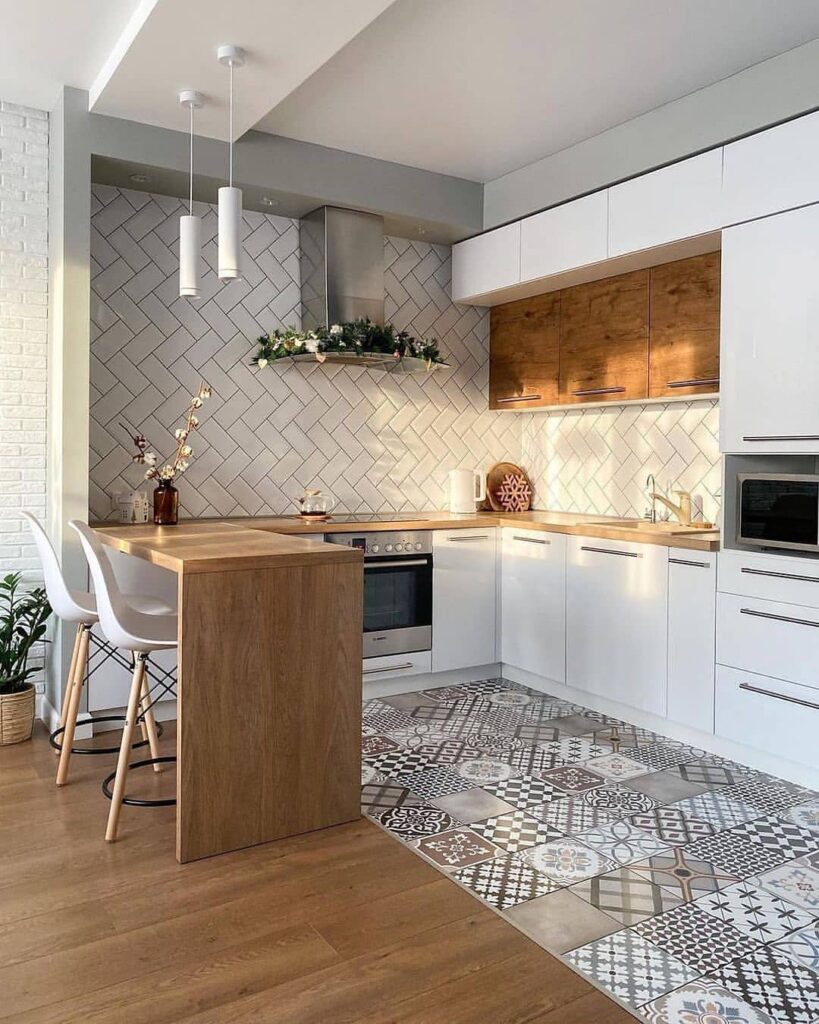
(387,668)
(471,536)
(779,696)
(393,563)
(778,618)
(780,575)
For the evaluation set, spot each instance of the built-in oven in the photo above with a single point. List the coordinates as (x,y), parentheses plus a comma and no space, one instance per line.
(397,589)
(778,510)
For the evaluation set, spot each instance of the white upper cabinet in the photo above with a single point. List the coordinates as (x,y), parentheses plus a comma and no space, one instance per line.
(668,205)
(617,621)
(533,602)
(772,171)
(769,335)
(464,603)
(486,263)
(569,236)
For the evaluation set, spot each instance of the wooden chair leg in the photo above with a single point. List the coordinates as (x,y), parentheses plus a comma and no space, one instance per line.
(131,713)
(149,722)
(76,685)
(69,678)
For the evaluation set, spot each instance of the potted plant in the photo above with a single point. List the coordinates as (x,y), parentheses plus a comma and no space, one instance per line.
(23,618)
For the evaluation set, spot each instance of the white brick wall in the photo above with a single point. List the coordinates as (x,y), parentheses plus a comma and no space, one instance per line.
(23,335)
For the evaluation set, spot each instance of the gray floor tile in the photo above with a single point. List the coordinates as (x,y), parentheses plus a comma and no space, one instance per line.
(665,787)
(561,921)
(472,805)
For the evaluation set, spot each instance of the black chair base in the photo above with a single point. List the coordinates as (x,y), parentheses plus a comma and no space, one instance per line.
(133,801)
(53,739)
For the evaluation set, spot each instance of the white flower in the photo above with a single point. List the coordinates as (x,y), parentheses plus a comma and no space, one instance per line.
(166,473)
(196,402)
(194,421)
(150,474)
(205,391)
(150,458)
(312,345)
(182,466)
(181,434)
(261,363)
(336,329)
(186,450)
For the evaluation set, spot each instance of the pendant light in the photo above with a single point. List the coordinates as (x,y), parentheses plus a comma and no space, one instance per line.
(190,227)
(230,198)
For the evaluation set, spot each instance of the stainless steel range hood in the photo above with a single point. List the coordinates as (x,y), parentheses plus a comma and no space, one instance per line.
(342,267)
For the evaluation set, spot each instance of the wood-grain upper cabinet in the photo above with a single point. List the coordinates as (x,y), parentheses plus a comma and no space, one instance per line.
(684,327)
(604,340)
(523,363)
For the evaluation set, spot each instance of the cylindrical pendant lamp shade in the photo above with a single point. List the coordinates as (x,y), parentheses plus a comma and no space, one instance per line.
(190,244)
(230,233)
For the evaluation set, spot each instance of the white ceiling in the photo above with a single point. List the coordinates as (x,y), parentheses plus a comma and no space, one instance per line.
(476,88)
(45,44)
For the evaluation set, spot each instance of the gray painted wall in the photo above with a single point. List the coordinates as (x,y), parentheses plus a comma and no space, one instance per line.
(757,97)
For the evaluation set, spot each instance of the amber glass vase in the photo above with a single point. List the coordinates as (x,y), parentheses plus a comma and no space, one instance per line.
(166,504)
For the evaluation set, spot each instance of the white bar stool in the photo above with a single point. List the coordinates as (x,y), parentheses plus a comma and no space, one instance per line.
(80,607)
(130,629)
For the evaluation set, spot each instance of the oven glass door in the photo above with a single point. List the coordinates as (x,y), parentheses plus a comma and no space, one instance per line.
(780,512)
(397,604)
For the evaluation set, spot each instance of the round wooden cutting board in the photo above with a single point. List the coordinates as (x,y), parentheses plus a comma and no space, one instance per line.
(494,481)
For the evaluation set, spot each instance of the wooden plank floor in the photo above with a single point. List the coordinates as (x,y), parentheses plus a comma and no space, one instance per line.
(344,925)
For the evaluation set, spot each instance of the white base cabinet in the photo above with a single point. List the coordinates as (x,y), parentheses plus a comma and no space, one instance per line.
(692,594)
(533,602)
(464,599)
(617,621)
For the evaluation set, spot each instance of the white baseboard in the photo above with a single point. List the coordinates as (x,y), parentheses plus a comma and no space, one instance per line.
(428,681)
(801,774)
(50,717)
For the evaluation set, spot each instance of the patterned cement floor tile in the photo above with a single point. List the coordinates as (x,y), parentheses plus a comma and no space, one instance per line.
(493,744)
(532,760)
(805,816)
(445,694)
(697,939)
(659,755)
(381,796)
(630,968)
(524,791)
(516,831)
(684,874)
(616,767)
(400,762)
(802,946)
(369,774)
(485,771)
(462,725)
(551,711)
(672,825)
(573,779)
(779,836)
(703,1002)
(666,787)
(797,882)
(572,750)
(505,881)
(708,774)
(754,911)
(572,814)
(566,861)
(456,849)
(720,810)
(626,896)
(511,698)
(448,751)
(472,805)
(377,743)
(620,801)
(622,843)
(615,739)
(735,854)
(436,781)
(439,713)
(771,796)
(536,732)
(385,718)
(410,822)
(777,985)
(416,734)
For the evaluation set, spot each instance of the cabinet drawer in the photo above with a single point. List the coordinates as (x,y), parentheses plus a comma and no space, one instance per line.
(769,637)
(773,578)
(396,665)
(782,720)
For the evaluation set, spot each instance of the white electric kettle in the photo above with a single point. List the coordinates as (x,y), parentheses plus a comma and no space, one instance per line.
(466,490)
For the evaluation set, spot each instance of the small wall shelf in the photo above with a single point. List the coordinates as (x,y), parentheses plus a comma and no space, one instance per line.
(370,361)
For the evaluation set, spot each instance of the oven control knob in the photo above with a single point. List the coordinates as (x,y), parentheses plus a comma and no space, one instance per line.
(399,547)
(374,548)
(418,546)
(388,547)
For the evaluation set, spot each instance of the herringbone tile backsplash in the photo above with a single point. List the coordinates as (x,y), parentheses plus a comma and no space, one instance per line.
(378,443)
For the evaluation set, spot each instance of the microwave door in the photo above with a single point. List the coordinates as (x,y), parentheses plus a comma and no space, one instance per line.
(779,512)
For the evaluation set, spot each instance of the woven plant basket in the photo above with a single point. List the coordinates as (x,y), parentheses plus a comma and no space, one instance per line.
(16,716)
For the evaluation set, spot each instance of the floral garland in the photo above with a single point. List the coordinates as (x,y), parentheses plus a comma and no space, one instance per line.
(359,337)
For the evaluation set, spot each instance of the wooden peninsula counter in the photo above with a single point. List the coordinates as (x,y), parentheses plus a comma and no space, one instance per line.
(269,681)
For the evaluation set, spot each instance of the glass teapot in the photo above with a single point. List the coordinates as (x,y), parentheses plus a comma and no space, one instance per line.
(316,504)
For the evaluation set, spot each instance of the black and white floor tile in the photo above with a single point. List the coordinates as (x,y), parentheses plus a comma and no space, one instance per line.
(701,875)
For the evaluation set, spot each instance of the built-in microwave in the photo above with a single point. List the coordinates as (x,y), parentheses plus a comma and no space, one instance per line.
(778,510)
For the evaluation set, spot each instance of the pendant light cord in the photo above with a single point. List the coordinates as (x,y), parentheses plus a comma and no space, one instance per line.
(190,200)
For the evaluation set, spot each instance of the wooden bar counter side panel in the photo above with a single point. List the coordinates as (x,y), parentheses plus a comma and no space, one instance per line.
(269,704)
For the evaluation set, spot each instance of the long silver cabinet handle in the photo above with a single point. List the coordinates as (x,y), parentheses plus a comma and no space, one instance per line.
(783,437)
(472,536)
(387,668)
(598,391)
(376,563)
(779,696)
(611,551)
(518,398)
(531,540)
(779,618)
(685,561)
(780,575)
(701,382)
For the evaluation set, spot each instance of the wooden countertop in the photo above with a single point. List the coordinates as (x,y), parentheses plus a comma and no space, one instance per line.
(256,542)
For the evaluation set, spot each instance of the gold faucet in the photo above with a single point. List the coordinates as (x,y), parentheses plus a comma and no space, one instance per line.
(682,511)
